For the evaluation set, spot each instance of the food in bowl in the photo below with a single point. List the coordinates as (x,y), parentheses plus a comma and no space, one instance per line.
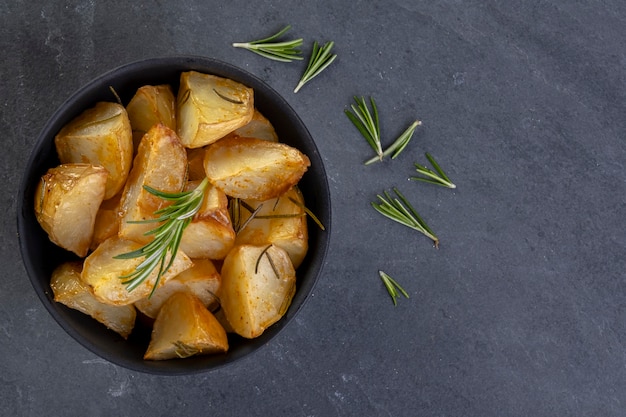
(240,345)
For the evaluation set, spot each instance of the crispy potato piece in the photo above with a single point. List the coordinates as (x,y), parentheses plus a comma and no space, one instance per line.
(107,221)
(69,290)
(202,280)
(259,127)
(183,328)
(66,204)
(254,295)
(161,163)
(210,107)
(102,272)
(210,234)
(101,135)
(252,168)
(267,226)
(150,105)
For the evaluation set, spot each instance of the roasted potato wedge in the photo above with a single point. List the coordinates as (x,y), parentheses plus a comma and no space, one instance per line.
(259,127)
(258,284)
(209,107)
(66,204)
(161,163)
(202,280)
(280,221)
(251,168)
(68,289)
(210,234)
(183,328)
(102,272)
(102,136)
(151,104)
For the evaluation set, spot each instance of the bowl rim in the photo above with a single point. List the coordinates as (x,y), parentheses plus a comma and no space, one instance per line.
(87,93)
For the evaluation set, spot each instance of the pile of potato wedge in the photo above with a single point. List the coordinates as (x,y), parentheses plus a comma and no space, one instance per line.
(229,275)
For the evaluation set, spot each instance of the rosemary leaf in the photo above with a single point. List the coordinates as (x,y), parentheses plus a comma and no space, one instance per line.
(161,251)
(432,177)
(398,145)
(285,51)
(392,287)
(367,123)
(401,211)
(320,59)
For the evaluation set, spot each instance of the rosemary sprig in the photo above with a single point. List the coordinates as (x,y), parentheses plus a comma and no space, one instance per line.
(368,125)
(392,287)
(286,51)
(400,210)
(398,145)
(320,59)
(167,236)
(438,178)
(313,217)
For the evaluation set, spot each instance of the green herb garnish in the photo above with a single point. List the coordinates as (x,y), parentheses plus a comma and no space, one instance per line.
(400,210)
(286,51)
(438,178)
(368,125)
(167,236)
(320,59)
(392,287)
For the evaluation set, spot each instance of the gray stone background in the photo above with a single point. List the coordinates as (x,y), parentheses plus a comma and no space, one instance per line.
(521,311)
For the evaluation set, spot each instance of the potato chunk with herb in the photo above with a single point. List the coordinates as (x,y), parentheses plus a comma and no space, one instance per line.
(160,163)
(69,290)
(183,328)
(254,168)
(66,204)
(103,272)
(210,234)
(281,221)
(102,136)
(202,280)
(209,107)
(258,284)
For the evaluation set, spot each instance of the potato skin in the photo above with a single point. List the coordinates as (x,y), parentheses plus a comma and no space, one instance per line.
(69,290)
(101,135)
(67,199)
(210,107)
(161,163)
(183,328)
(254,299)
(252,168)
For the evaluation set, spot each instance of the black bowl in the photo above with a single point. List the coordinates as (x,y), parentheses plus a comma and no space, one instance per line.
(40,256)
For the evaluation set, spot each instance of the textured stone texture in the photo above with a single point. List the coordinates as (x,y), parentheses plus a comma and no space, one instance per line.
(521,310)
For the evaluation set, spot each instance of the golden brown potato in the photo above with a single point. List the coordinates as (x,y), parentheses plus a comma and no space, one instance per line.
(257,288)
(202,280)
(161,163)
(102,272)
(150,105)
(66,204)
(288,232)
(210,234)
(252,168)
(259,127)
(69,290)
(183,328)
(210,107)
(102,136)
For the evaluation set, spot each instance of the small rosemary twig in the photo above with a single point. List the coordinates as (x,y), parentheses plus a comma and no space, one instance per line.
(438,178)
(320,59)
(392,287)
(278,51)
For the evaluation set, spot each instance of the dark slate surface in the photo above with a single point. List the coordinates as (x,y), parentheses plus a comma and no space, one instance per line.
(521,310)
